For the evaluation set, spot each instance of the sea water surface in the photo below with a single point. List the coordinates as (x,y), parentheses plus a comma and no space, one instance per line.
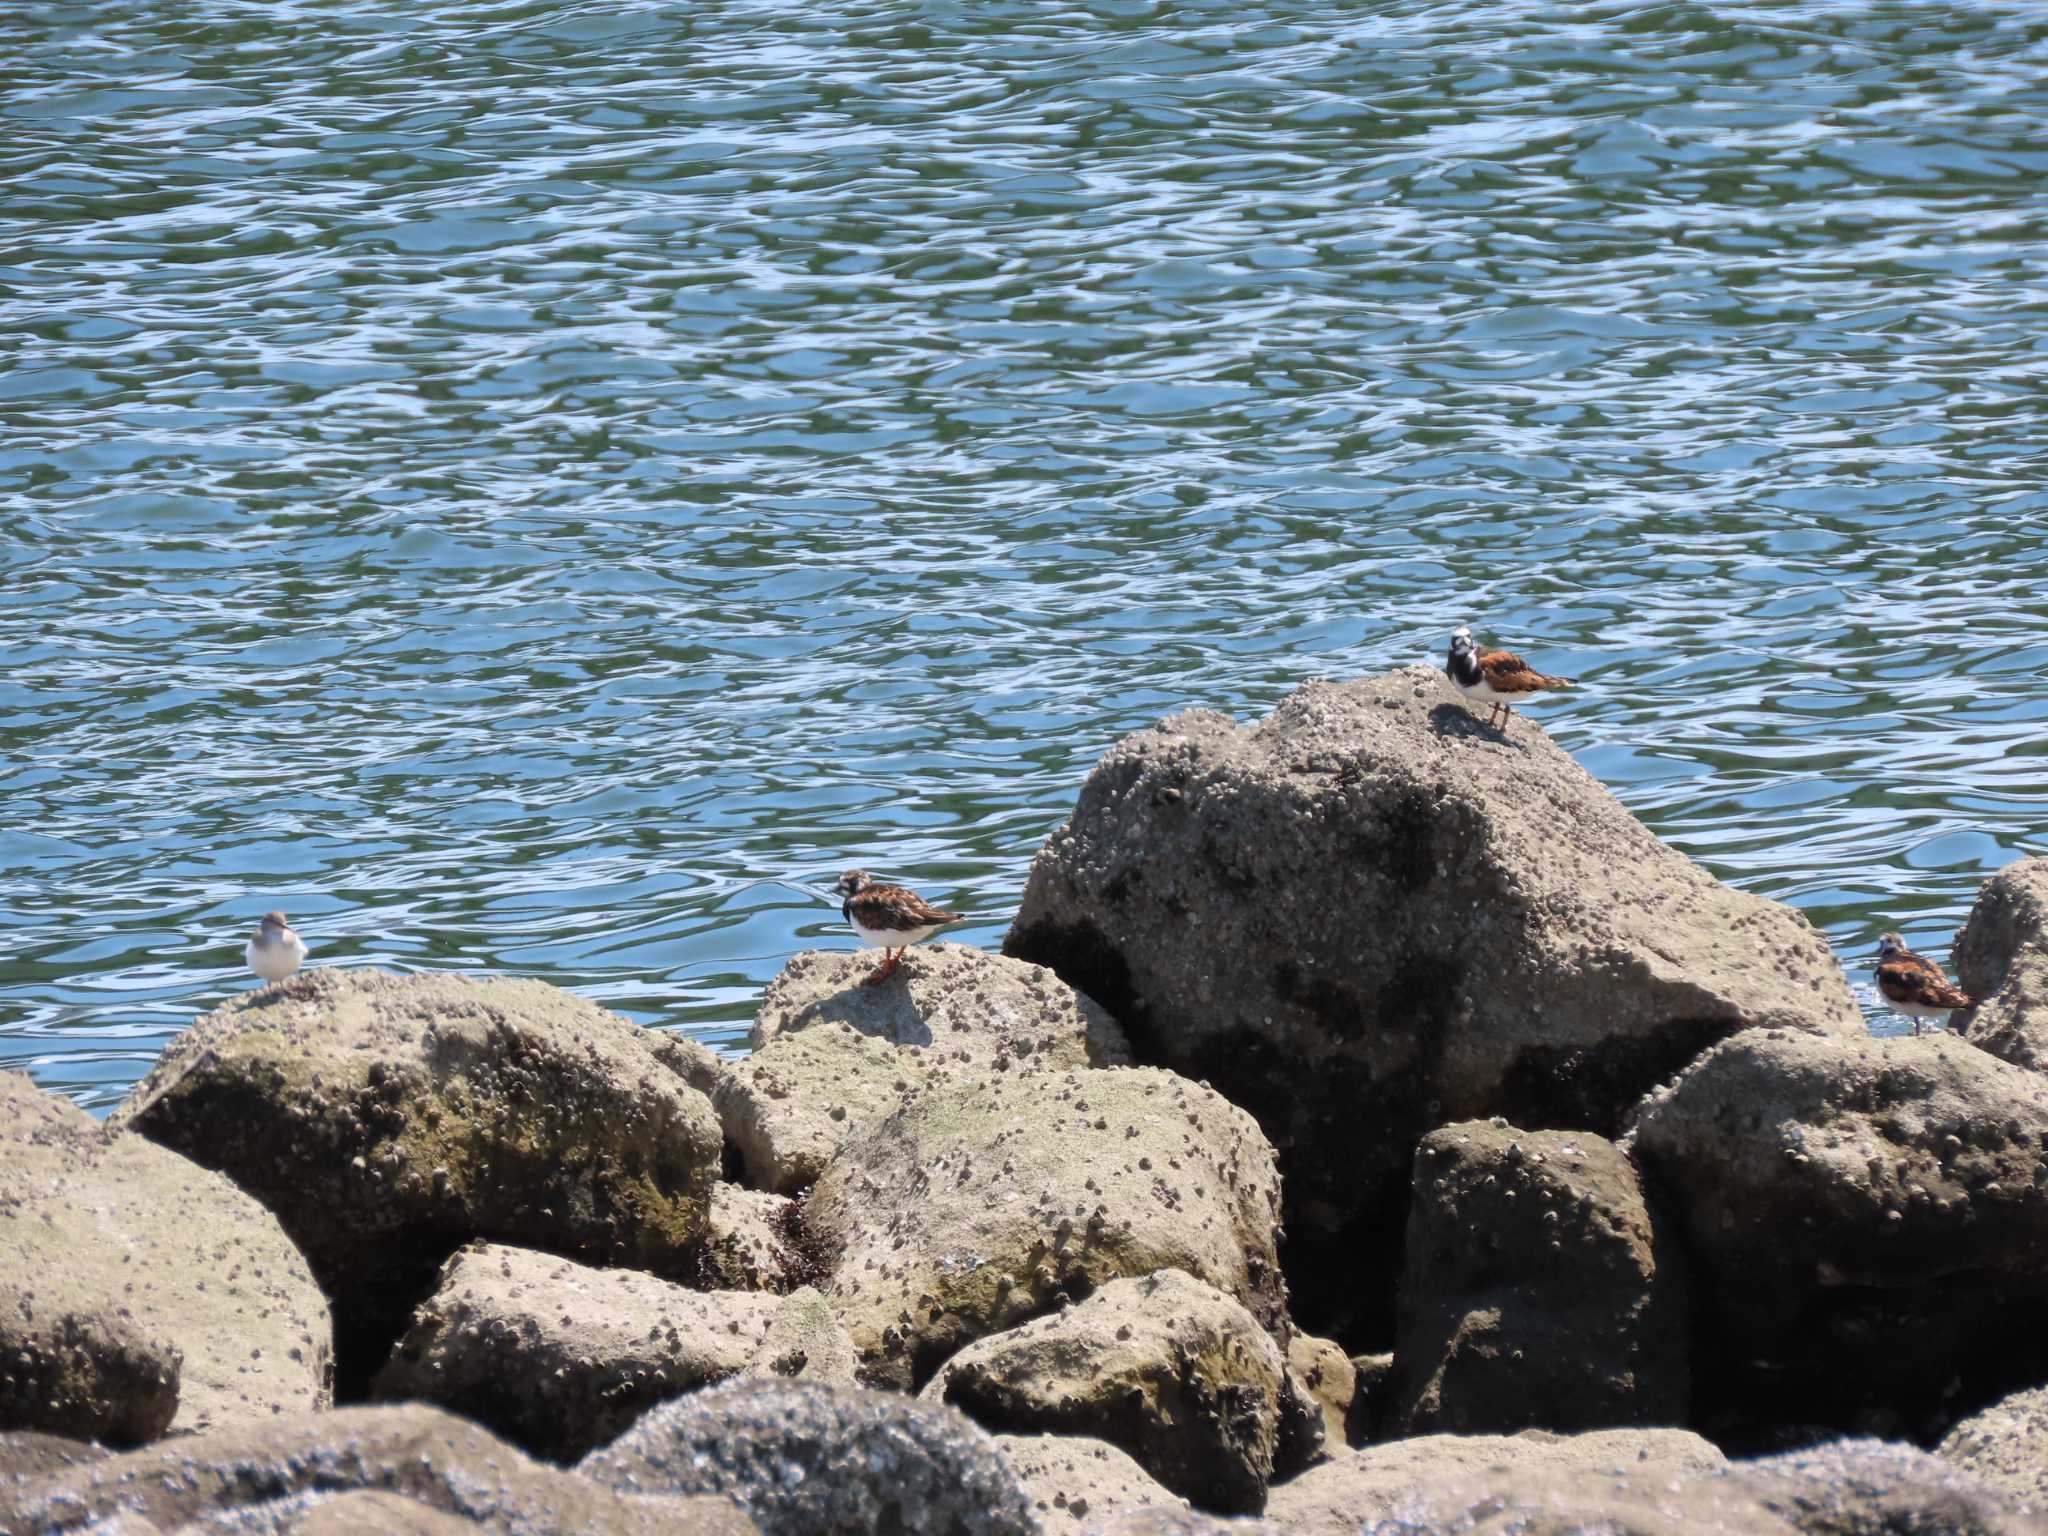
(509,483)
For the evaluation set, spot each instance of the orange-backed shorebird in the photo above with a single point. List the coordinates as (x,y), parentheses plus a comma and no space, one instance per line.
(1497,677)
(887,916)
(1915,985)
(275,951)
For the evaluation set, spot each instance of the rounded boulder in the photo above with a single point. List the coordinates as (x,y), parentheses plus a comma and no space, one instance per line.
(982,1204)
(387,1120)
(1367,915)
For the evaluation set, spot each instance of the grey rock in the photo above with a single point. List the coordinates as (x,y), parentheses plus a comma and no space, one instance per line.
(139,1292)
(1155,1521)
(1431,1482)
(1172,1370)
(127,1525)
(805,1342)
(807,1460)
(1867,1224)
(956,1003)
(1871,1488)
(1075,1482)
(558,1357)
(251,1474)
(2001,959)
(1369,1402)
(787,1107)
(26,1454)
(984,1203)
(1534,1295)
(2006,1445)
(1328,1378)
(1367,915)
(389,1119)
(690,1059)
(2012,1023)
(362,1512)
(744,1245)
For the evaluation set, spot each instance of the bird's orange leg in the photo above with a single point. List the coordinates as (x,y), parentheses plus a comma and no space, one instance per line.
(891,958)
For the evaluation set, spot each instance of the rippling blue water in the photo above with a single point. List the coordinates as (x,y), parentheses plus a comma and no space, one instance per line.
(499,481)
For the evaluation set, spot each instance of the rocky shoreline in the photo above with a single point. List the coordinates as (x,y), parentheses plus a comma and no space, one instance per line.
(1369,1127)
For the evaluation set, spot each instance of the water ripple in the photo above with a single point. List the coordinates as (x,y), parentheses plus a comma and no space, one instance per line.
(503,480)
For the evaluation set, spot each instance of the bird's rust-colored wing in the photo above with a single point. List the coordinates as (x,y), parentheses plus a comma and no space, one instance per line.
(892,909)
(1910,979)
(1506,672)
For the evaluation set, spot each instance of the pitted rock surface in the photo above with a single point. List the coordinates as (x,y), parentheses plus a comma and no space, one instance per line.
(805,1342)
(360,1512)
(1075,1482)
(1368,915)
(1169,1369)
(983,1204)
(1867,1487)
(1449,1475)
(2006,1444)
(139,1292)
(1326,1377)
(956,1003)
(745,1242)
(250,1476)
(691,1060)
(2001,959)
(560,1358)
(387,1120)
(787,1107)
(26,1454)
(1534,1294)
(807,1460)
(1867,1224)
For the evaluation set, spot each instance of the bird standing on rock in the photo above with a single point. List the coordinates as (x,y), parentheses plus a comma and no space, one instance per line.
(1914,985)
(887,916)
(275,951)
(1497,677)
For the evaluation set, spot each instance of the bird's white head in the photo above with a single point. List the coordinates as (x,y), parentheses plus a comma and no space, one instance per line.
(1461,640)
(852,883)
(1891,944)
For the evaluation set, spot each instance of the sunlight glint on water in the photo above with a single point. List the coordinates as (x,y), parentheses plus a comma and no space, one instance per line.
(503,482)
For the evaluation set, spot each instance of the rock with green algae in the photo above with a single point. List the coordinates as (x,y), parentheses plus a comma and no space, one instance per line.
(1367,915)
(956,1004)
(1167,1368)
(1833,1193)
(559,1357)
(387,1120)
(746,1243)
(804,1340)
(787,1107)
(984,1203)
(1535,1291)
(140,1293)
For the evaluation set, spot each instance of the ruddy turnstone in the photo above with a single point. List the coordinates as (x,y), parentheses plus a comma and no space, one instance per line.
(1498,677)
(1915,985)
(888,916)
(275,951)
